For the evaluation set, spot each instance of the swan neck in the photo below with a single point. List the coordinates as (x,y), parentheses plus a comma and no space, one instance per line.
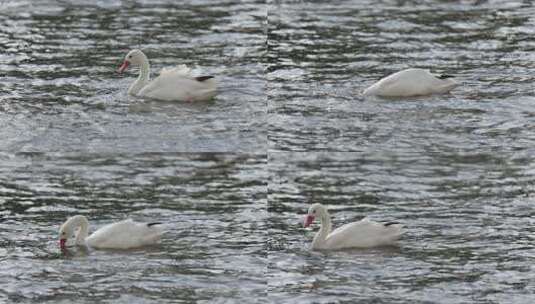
(325,230)
(142,79)
(326,225)
(144,70)
(83,223)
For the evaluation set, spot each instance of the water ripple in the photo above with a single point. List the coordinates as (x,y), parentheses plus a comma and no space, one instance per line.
(59,62)
(467,220)
(212,205)
(322,56)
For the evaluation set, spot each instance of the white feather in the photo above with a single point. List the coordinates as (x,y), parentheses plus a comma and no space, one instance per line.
(410,82)
(121,235)
(124,235)
(173,84)
(361,234)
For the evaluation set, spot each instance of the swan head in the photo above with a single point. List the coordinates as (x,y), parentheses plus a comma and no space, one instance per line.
(134,57)
(68,229)
(316,210)
(65,231)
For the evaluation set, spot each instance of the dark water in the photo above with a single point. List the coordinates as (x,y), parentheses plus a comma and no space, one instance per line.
(213,207)
(60,90)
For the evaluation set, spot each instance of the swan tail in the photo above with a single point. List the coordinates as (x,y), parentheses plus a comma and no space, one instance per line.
(448,86)
(395,230)
(203,78)
(152,238)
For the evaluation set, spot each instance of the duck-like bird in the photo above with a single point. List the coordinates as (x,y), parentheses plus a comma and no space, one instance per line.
(173,84)
(361,234)
(121,235)
(411,82)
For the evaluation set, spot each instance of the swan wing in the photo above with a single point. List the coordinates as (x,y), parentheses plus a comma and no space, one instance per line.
(410,82)
(180,84)
(125,234)
(178,71)
(363,234)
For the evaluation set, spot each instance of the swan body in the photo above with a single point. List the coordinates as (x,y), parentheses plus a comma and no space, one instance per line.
(411,82)
(173,84)
(361,234)
(121,235)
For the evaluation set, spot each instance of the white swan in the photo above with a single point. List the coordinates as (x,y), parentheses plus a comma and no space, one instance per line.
(411,82)
(361,234)
(121,235)
(173,84)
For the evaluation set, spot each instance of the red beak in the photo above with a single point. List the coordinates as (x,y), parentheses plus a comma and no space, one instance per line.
(62,244)
(309,219)
(123,66)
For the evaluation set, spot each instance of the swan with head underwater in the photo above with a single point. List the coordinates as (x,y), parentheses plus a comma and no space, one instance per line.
(173,84)
(125,234)
(361,234)
(411,82)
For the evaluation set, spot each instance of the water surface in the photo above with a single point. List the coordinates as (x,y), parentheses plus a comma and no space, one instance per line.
(321,55)
(60,90)
(469,228)
(212,205)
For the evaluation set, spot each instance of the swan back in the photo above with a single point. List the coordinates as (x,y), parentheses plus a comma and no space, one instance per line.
(179,83)
(179,71)
(410,82)
(124,235)
(363,234)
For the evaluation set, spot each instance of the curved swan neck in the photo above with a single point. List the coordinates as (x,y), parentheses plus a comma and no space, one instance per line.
(144,70)
(326,225)
(142,79)
(325,229)
(83,223)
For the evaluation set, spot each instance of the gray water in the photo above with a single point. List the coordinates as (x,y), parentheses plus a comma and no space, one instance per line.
(322,55)
(231,179)
(212,206)
(469,230)
(60,90)
(456,169)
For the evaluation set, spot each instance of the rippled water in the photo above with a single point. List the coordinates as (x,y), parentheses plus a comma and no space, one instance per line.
(469,228)
(456,169)
(321,55)
(213,207)
(60,90)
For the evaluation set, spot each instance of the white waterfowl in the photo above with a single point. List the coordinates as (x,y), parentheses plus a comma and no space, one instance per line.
(173,84)
(411,82)
(361,234)
(121,235)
